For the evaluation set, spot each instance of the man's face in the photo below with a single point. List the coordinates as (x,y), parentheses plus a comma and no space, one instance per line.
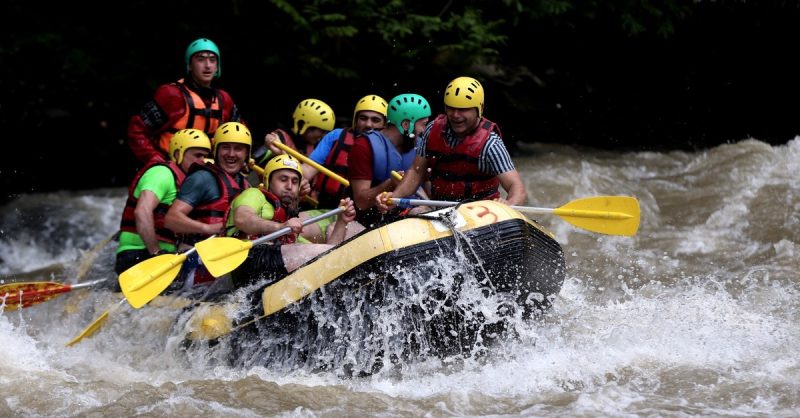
(203,66)
(367,120)
(462,120)
(419,126)
(285,184)
(312,135)
(191,156)
(231,156)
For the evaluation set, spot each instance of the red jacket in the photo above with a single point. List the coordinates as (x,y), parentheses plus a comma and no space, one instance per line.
(149,131)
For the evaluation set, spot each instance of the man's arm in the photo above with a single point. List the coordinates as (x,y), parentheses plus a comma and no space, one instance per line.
(309,172)
(155,117)
(178,220)
(364,195)
(514,187)
(145,225)
(413,177)
(339,232)
(248,221)
(360,174)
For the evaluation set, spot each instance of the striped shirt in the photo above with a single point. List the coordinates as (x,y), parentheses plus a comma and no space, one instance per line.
(493,159)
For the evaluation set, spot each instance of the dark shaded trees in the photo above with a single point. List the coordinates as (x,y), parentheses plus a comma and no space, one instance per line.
(625,74)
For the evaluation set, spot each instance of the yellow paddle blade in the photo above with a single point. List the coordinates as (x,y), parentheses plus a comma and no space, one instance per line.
(613,215)
(144,281)
(222,255)
(90,330)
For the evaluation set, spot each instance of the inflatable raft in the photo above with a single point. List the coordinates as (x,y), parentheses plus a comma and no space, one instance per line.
(447,283)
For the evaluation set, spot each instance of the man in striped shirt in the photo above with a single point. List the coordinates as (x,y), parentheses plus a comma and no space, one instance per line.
(462,154)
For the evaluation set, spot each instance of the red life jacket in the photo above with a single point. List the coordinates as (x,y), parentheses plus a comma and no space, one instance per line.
(195,116)
(454,173)
(215,211)
(330,190)
(128,222)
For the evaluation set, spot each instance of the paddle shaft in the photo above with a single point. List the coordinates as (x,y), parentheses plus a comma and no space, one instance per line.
(222,255)
(285,230)
(578,213)
(311,162)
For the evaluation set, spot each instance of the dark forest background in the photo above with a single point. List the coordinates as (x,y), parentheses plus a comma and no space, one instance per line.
(622,75)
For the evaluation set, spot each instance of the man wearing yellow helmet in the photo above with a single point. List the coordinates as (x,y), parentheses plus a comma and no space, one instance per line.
(191,102)
(199,209)
(150,195)
(312,119)
(332,151)
(462,153)
(261,211)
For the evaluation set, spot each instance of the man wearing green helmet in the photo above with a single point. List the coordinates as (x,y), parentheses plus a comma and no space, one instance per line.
(462,154)
(375,155)
(142,231)
(189,103)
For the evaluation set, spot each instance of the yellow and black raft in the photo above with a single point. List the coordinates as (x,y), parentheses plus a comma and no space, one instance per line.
(449,282)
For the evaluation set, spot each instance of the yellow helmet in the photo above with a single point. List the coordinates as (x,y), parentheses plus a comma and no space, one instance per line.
(233,132)
(185,139)
(313,113)
(280,162)
(464,93)
(371,102)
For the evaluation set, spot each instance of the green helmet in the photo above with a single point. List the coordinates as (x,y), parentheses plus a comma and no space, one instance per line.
(407,106)
(204,44)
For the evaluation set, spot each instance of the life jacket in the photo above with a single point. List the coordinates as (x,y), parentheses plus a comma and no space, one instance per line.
(215,211)
(386,157)
(454,173)
(330,190)
(279,214)
(295,144)
(128,222)
(196,114)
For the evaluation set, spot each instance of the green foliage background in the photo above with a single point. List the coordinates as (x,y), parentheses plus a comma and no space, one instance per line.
(628,74)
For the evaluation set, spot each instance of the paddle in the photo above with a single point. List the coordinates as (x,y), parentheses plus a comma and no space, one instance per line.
(222,255)
(612,215)
(142,282)
(94,326)
(287,149)
(25,294)
(146,280)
